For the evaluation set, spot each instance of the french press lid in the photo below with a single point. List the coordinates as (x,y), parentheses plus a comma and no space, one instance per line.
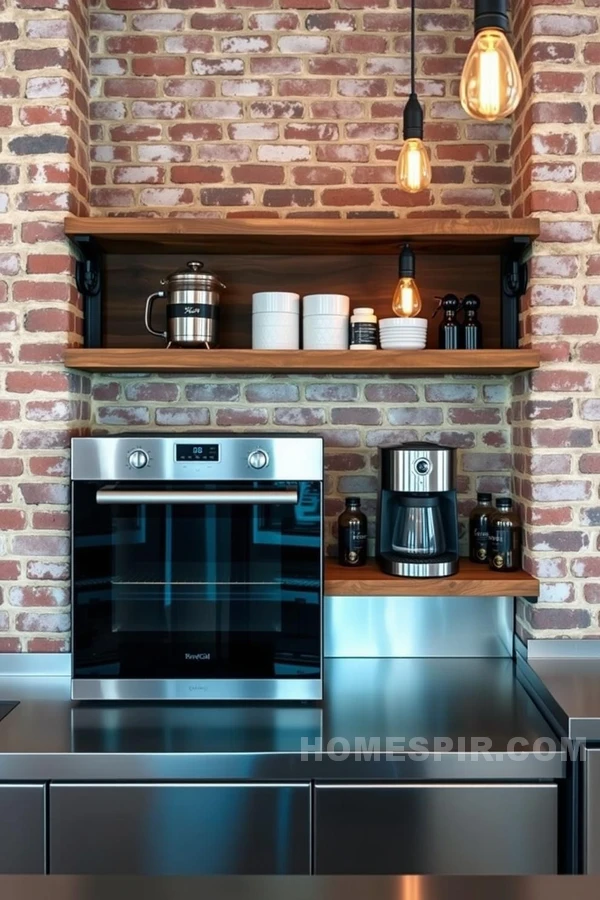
(193,276)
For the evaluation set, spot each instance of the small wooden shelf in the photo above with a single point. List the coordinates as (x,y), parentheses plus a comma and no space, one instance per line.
(409,362)
(471,580)
(300,236)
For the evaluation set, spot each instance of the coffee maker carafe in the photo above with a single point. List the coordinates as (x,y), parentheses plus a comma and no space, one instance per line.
(417,517)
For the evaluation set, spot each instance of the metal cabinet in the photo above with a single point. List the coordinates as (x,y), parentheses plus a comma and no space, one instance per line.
(436,829)
(186,829)
(22,829)
(591,812)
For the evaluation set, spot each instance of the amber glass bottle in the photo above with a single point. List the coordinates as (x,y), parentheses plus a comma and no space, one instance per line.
(478,528)
(504,552)
(352,534)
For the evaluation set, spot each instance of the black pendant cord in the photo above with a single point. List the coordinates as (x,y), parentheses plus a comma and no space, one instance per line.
(413,111)
(412,46)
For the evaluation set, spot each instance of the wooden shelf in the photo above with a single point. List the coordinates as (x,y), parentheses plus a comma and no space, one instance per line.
(471,580)
(409,362)
(300,236)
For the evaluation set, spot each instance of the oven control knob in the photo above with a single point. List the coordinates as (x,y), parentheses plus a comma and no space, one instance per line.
(138,459)
(258,459)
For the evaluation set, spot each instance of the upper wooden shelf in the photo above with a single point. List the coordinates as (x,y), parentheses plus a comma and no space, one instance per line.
(471,580)
(300,236)
(409,362)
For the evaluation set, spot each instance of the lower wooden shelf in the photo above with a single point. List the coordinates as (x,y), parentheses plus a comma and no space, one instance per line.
(470,362)
(471,580)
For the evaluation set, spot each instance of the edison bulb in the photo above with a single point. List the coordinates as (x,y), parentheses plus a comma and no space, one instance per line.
(491,85)
(407,300)
(413,172)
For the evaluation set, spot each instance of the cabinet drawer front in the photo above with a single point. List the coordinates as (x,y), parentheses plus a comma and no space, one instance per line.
(187,829)
(436,829)
(22,829)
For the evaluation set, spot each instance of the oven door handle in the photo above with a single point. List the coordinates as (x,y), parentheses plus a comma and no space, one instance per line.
(106,496)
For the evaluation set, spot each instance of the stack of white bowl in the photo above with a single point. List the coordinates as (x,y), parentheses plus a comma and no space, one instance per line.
(403,334)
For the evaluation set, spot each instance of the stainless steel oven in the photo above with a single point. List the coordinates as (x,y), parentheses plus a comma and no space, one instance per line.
(197,567)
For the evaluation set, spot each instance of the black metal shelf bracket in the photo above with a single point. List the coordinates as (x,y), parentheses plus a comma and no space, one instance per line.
(88,278)
(514,277)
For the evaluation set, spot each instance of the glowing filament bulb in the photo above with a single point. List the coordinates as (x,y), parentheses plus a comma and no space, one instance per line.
(413,172)
(406,301)
(491,85)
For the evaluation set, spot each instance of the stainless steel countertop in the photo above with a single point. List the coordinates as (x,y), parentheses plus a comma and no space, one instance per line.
(276,887)
(569,690)
(386,701)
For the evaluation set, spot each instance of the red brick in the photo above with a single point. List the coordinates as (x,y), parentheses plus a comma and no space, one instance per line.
(227,196)
(217,22)
(288,197)
(131,44)
(298,416)
(40,58)
(234,416)
(9,570)
(586,567)
(257,174)
(553,51)
(46,645)
(49,320)
(159,65)
(566,113)
(43,291)
(558,82)
(28,595)
(195,131)
(12,520)
(314,175)
(26,382)
(347,197)
(47,264)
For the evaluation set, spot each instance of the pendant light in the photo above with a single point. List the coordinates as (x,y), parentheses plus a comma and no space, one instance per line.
(491,85)
(413,172)
(406,302)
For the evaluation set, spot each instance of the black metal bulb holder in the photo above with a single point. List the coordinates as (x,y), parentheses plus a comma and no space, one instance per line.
(413,118)
(491,14)
(406,263)
(413,111)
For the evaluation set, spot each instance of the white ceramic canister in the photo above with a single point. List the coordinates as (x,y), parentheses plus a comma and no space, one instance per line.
(325,321)
(275,320)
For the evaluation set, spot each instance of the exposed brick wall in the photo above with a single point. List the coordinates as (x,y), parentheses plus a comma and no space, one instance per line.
(225,107)
(354,415)
(555,410)
(43,175)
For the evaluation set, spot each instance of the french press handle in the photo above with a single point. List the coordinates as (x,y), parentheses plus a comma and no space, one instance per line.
(148,315)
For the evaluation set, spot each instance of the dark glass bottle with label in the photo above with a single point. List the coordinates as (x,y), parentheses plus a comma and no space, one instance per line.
(504,551)
(472,326)
(451,331)
(352,534)
(479,530)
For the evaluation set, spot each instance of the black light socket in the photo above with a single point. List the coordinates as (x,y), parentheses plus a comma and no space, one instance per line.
(406,267)
(491,14)
(413,118)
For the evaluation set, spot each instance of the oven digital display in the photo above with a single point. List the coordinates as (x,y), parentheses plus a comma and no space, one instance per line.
(197,452)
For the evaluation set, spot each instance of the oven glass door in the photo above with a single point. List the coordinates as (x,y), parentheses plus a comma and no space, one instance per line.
(188,581)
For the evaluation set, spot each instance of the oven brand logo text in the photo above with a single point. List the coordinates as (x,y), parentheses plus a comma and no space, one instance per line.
(194,657)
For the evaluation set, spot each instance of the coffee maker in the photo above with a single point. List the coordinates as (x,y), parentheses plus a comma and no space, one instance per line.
(417,516)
